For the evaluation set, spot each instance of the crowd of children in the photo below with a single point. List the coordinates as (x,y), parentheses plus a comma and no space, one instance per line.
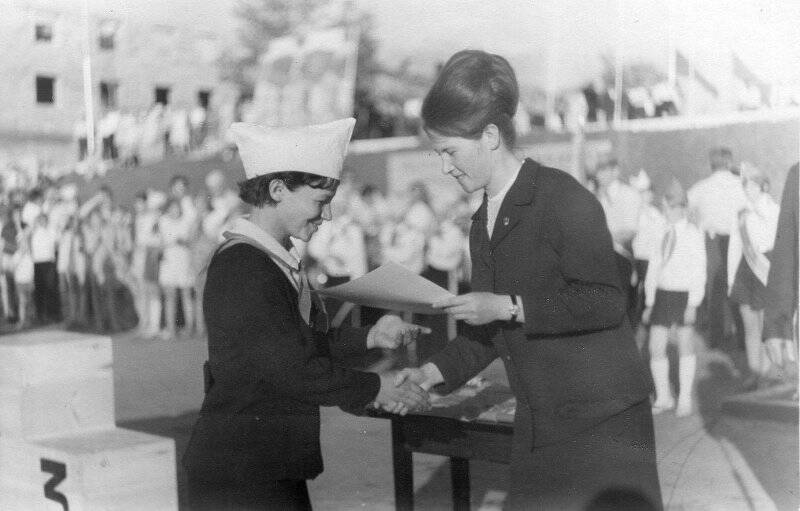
(664,250)
(103,268)
(100,267)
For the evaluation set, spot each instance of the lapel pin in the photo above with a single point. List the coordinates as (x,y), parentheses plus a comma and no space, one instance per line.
(505,220)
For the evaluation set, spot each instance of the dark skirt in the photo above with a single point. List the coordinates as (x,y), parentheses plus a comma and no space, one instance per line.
(747,289)
(45,292)
(669,308)
(152,263)
(80,297)
(111,306)
(614,462)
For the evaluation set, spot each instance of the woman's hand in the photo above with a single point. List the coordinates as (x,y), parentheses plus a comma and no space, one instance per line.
(476,308)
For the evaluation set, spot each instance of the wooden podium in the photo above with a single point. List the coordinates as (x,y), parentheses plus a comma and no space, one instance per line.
(59,446)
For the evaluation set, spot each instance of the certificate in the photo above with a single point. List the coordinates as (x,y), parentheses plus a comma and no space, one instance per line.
(392,287)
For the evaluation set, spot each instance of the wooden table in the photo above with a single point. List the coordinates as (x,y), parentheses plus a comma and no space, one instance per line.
(454,431)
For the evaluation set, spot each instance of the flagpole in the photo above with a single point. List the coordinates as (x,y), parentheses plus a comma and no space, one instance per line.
(671,58)
(551,60)
(88,99)
(692,82)
(618,67)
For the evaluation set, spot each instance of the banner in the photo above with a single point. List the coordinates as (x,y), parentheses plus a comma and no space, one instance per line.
(306,80)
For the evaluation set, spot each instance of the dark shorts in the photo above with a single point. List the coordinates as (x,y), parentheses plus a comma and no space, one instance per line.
(669,308)
(747,289)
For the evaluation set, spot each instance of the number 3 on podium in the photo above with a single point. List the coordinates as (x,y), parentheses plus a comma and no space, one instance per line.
(59,472)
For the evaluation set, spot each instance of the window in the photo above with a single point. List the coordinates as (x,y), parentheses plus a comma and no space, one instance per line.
(44,33)
(108,94)
(162,95)
(45,89)
(107,31)
(204,98)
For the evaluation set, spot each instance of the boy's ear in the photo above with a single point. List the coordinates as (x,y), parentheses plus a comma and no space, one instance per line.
(277,189)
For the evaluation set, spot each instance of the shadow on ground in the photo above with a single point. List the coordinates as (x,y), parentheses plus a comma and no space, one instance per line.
(770,448)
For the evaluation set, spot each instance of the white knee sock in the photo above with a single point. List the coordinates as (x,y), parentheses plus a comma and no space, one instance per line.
(155,316)
(686,371)
(660,370)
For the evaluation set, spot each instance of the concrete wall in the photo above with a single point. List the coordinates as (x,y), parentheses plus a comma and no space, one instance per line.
(682,152)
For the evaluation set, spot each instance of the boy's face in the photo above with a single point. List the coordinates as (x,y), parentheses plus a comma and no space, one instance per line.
(751,189)
(301,211)
(178,189)
(174,211)
(674,213)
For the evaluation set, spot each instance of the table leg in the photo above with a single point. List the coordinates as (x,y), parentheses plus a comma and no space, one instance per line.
(403,469)
(459,477)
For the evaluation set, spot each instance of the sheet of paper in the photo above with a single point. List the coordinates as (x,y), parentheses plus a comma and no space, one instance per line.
(390,287)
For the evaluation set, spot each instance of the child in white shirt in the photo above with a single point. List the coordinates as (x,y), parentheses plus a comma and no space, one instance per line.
(23,279)
(674,288)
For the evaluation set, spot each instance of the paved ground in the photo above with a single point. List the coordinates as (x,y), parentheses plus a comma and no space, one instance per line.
(707,462)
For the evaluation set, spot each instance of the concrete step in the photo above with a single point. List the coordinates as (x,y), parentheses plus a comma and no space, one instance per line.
(777,403)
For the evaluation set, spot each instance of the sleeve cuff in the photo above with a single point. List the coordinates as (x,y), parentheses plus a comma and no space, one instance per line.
(368,385)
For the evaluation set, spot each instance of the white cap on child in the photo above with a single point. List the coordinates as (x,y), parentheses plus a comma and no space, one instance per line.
(317,149)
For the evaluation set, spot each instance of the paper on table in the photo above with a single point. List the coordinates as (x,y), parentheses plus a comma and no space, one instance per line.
(390,287)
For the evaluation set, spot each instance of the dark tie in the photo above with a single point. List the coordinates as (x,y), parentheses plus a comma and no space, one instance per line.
(668,245)
(303,293)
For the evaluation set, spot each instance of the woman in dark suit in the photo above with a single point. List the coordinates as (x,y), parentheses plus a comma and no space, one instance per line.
(546,298)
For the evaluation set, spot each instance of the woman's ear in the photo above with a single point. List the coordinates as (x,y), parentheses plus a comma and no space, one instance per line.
(491,135)
(277,188)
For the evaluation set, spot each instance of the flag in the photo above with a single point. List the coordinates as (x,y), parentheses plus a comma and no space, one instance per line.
(682,68)
(749,78)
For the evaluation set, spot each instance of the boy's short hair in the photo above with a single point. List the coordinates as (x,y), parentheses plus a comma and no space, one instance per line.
(178,178)
(675,195)
(255,191)
(720,158)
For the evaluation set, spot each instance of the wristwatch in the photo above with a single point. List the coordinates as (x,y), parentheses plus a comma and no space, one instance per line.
(514,309)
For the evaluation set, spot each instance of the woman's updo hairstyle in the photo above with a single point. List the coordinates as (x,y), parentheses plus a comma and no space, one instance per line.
(474,89)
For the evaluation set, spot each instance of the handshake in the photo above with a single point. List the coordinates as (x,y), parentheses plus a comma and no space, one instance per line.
(407,390)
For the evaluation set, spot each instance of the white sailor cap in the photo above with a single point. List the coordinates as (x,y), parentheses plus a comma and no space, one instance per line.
(317,149)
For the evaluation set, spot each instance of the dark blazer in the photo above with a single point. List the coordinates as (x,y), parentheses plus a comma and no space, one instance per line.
(782,279)
(574,362)
(271,372)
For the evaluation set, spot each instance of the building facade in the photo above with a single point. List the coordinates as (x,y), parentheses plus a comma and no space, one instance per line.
(139,53)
